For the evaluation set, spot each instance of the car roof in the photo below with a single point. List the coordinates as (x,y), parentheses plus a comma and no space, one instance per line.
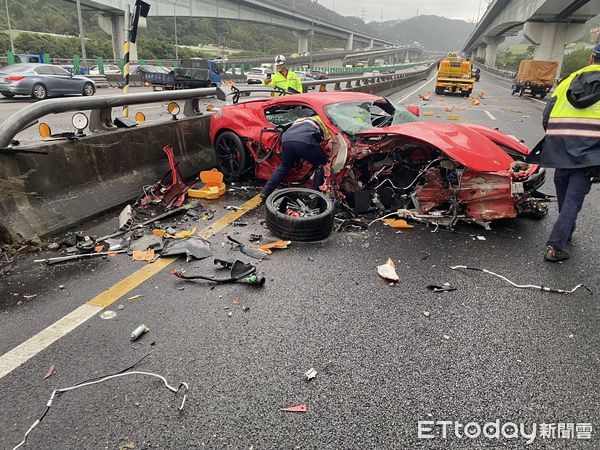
(327,98)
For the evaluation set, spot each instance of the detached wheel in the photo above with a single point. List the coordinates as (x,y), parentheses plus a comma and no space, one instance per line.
(88,90)
(39,91)
(299,214)
(232,158)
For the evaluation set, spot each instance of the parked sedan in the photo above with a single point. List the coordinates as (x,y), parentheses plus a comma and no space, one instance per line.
(41,81)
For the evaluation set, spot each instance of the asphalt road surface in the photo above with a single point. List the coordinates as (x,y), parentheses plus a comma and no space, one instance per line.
(487,352)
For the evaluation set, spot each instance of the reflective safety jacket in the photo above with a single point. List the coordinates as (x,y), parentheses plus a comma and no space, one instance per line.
(572,121)
(292,81)
(307,130)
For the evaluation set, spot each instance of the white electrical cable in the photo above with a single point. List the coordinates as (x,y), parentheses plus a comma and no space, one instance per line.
(101,380)
(524,286)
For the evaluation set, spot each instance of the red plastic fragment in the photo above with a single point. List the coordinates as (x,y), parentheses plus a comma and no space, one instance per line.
(298,408)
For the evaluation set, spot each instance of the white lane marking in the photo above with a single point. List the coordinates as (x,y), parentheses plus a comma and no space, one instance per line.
(490,115)
(543,102)
(417,89)
(35,344)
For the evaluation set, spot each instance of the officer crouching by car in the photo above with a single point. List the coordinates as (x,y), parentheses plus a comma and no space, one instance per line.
(572,147)
(302,140)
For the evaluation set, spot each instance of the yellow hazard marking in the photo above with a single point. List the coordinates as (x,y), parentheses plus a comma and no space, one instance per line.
(23,352)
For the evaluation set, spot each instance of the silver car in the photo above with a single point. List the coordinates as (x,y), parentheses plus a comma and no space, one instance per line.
(41,81)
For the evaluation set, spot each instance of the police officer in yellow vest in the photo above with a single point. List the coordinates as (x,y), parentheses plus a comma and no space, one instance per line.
(572,147)
(302,140)
(284,78)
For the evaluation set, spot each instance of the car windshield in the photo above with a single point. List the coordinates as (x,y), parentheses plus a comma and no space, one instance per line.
(354,117)
(15,68)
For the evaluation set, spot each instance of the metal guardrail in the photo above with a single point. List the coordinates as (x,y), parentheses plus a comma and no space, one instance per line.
(101,106)
(508,74)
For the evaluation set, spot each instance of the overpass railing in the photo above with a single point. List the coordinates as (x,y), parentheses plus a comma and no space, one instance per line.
(101,106)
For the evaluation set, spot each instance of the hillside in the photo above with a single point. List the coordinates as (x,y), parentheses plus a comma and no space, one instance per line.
(157,41)
(433,32)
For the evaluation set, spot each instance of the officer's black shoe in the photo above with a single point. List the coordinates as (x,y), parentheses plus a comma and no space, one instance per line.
(554,255)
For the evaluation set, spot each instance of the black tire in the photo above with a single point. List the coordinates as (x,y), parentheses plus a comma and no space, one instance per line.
(521,92)
(39,91)
(303,229)
(232,157)
(542,96)
(88,90)
(7,94)
(439,91)
(513,91)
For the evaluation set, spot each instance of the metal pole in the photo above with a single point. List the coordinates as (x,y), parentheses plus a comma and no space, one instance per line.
(175,17)
(126,57)
(81,35)
(312,32)
(12,45)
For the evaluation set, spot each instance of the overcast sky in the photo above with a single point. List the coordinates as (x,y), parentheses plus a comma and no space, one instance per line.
(403,9)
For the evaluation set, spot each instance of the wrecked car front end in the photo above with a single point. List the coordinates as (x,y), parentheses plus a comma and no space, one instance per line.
(441,174)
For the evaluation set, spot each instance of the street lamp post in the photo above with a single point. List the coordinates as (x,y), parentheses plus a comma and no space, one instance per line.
(312,31)
(219,42)
(81,35)
(12,45)
(175,23)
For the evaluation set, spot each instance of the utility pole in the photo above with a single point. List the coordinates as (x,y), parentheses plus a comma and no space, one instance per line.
(12,45)
(312,31)
(175,22)
(81,35)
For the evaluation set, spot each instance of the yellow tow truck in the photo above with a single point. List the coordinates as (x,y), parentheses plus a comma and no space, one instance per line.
(454,75)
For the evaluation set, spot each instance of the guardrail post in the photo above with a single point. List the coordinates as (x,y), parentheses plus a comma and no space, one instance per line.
(46,58)
(10,58)
(101,119)
(191,107)
(100,63)
(121,64)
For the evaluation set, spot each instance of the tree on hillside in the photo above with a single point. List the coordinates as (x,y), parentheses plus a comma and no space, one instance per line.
(575,61)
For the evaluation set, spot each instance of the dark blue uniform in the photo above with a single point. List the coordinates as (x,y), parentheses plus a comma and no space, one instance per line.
(301,141)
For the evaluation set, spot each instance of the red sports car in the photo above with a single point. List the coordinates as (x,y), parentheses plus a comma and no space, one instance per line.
(384,158)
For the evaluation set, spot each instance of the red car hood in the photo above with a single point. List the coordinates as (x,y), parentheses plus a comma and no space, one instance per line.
(461,143)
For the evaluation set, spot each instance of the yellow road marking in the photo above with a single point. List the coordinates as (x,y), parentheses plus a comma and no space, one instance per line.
(40,341)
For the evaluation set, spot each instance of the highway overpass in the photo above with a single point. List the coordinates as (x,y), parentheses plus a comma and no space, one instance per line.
(113,13)
(548,24)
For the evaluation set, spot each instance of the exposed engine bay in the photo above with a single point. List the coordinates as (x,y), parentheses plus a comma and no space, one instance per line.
(422,183)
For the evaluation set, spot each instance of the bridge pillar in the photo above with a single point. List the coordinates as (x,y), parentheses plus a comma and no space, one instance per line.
(480,51)
(350,42)
(371,43)
(406,57)
(303,36)
(114,24)
(550,39)
(491,48)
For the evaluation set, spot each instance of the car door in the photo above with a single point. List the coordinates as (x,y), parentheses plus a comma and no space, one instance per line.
(66,83)
(47,78)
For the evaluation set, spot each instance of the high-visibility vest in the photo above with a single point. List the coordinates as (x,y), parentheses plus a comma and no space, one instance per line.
(317,122)
(567,121)
(291,81)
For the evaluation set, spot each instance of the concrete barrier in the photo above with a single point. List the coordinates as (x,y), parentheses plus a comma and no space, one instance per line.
(45,194)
